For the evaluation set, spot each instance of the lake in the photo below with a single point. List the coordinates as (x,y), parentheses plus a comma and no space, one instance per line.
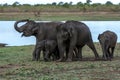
(11,37)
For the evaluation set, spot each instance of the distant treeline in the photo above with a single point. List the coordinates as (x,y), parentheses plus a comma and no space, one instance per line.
(61,7)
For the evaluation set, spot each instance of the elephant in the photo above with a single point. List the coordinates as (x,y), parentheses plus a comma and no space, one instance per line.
(76,34)
(40,46)
(49,48)
(41,30)
(108,40)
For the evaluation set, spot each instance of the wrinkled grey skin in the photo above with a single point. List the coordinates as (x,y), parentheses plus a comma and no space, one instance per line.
(41,30)
(40,46)
(108,41)
(77,34)
(51,49)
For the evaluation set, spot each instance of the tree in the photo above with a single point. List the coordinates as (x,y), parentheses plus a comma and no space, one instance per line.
(70,3)
(80,4)
(15,4)
(109,3)
(96,4)
(88,1)
(66,5)
(54,3)
(5,4)
(27,5)
(60,3)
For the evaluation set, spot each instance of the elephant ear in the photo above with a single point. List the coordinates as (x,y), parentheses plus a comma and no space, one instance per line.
(35,29)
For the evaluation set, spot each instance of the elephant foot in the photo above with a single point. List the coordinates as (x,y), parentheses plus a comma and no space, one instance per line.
(105,59)
(109,58)
(46,59)
(97,58)
(59,60)
(80,59)
(68,60)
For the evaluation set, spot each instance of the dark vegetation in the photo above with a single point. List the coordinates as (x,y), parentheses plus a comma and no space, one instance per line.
(61,7)
(61,11)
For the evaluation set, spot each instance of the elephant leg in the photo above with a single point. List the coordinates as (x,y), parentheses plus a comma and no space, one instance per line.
(67,51)
(104,56)
(57,55)
(108,54)
(61,54)
(38,54)
(75,52)
(72,46)
(91,46)
(54,56)
(34,55)
(112,52)
(79,54)
(43,54)
(70,54)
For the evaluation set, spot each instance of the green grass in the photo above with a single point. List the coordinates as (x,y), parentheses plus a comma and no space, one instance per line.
(16,64)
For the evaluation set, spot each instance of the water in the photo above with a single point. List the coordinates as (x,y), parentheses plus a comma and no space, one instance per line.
(13,38)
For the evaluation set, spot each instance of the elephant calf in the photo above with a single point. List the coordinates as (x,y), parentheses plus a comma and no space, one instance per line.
(49,48)
(108,41)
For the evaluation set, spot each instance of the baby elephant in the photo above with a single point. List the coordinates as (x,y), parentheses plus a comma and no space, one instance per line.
(108,41)
(49,48)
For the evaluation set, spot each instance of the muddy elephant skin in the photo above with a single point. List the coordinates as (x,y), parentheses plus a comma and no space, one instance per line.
(49,48)
(41,30)
(77,34)
(108,41)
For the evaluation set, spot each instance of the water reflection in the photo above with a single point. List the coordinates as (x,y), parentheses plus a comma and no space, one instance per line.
(13,38)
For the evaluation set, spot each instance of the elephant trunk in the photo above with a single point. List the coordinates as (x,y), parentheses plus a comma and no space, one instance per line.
(16,25)
(61,49)
(104,51)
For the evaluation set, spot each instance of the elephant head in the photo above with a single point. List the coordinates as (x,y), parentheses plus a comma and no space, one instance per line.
(103,39)
(27,29)
(64,32)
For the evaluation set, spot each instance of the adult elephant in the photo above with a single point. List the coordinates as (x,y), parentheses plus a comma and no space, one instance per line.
(76,34)
(108,41)
(41,30)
